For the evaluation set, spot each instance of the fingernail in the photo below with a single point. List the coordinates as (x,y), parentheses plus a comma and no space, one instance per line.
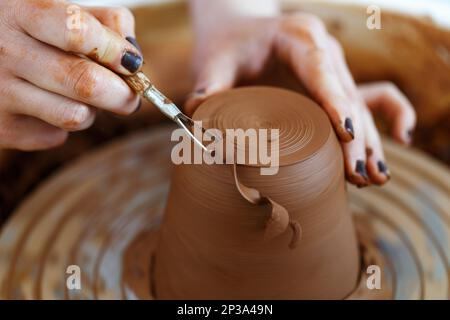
(349,127)
(131,61)
(138,107)
(134,42)
(410,135)
(361,169)
(383,168)
(197,93)
(359,186)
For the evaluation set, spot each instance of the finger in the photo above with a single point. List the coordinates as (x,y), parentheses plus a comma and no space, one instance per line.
(118,19)
(28,134)
(393,104)
(354,153)
(73,29)
(217,74)
(355,164)
(376,164)
(302,44)
(24,98)
(71,76)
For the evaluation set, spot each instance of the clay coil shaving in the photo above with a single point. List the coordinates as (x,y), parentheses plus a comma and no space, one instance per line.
(278,220)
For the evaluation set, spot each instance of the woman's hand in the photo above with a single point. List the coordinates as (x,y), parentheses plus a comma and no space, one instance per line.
(47,85)
(240,45)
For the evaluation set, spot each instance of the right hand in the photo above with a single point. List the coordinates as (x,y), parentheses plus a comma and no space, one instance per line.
(242,47)
(47,85)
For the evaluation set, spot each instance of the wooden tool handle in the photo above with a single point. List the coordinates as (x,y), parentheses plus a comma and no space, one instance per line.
(139,82)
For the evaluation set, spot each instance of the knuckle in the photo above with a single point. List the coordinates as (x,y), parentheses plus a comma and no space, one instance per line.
(122,13)
(305,27)
(120,19)
(308,21)
(313,21)
(75,117)
(83,79)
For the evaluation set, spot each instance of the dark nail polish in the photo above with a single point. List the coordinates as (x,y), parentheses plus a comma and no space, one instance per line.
(410,135)
(200,91)
(349,127)
(361,169)
(197,94)
(383,168)
(138,107)
(131,61)
(134,43)
(360,186)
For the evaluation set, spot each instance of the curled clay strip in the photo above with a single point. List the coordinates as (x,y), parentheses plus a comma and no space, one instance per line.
(297,236)
(278,221)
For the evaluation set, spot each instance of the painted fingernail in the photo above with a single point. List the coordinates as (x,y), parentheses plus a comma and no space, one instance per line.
(197,93)
(383,168)
(134,42)
(131,61)
(138,107)
(361,169)
(410,135)
(361,186)
(349,127)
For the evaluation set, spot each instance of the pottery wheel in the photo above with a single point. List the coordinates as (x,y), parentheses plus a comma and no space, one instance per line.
(102,211)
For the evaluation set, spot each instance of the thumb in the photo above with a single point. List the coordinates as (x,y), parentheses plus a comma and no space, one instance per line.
(217,74)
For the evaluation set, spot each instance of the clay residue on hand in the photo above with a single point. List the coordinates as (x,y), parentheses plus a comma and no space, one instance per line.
(75,73)
(94,54)
(42,4)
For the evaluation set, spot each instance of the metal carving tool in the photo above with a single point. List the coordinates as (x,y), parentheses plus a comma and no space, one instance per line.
(143,86)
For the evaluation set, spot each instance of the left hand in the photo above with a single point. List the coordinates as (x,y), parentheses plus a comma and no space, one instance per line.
(241,49)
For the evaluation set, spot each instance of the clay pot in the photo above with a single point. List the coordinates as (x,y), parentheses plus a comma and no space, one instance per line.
(213,242)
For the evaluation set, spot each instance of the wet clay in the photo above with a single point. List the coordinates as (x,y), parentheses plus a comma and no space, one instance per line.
(278,220)
(212,242)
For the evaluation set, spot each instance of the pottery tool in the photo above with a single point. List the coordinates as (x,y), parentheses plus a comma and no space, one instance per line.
(143,86)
